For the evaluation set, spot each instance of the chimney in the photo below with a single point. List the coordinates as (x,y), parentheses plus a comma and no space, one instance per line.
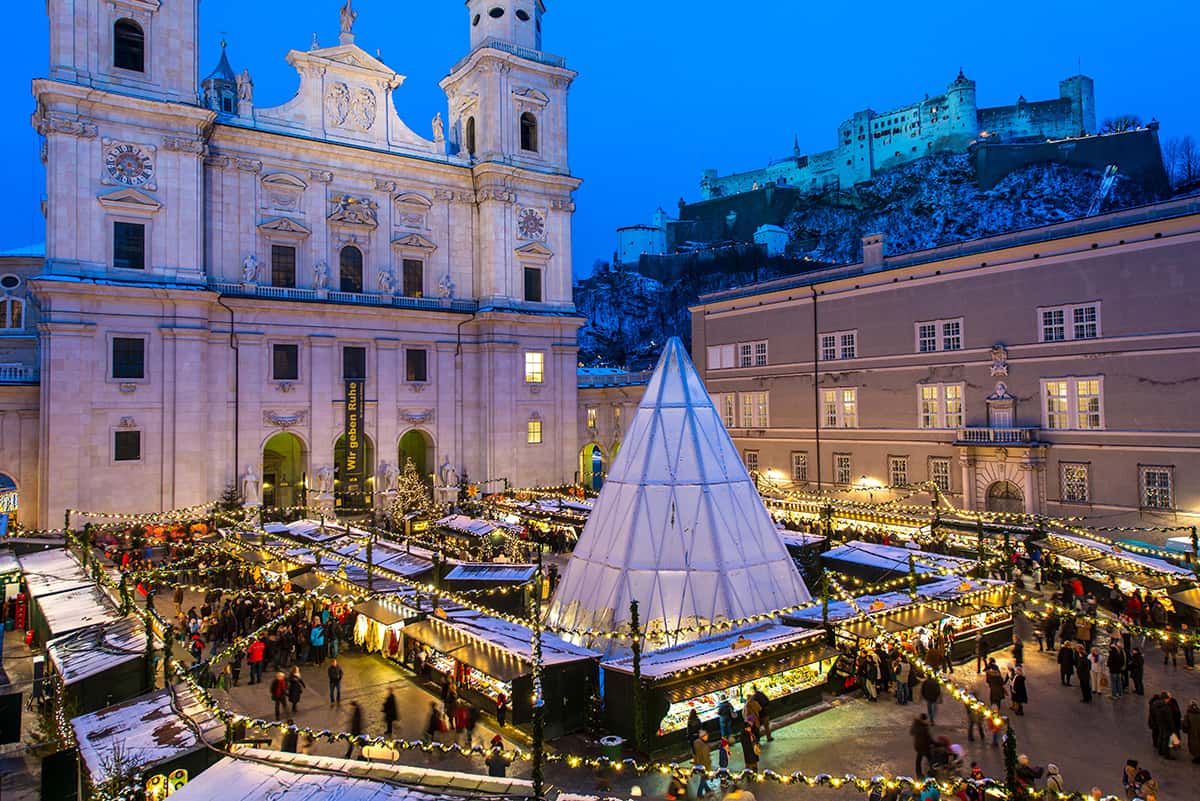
(872,252)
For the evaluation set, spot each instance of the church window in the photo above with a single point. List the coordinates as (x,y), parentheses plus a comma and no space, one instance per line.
(283,266)
(496,13)
(475,21)
(529,132)
(470,135)
(416,365)
(354,363)
(129,246)
(533,285)
(533,432)
(414,278)
(522,15)
(351,269)
(535,367)
(128,358)
(227,104)
(12,313)
(129,46)
(127,446)
(285,362)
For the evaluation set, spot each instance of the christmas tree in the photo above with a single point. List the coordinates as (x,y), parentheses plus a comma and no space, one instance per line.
(411,493)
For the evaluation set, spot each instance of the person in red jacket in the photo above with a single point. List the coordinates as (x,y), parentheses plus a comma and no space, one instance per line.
(279,693)
(254,657)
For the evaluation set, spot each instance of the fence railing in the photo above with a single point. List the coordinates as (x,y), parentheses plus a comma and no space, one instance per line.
(344,298)
(997,436)
(18,374)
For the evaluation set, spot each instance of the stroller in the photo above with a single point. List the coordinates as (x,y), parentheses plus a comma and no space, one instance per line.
(945,759)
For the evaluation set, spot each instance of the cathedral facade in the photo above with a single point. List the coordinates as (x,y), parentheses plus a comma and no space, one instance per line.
(296,298)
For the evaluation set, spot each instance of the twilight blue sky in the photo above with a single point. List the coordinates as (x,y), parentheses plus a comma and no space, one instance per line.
(669,87)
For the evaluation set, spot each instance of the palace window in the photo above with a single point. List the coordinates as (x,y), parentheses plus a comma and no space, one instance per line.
(354,363)
(1073,480)
(1062,323)
(533,432)
(127,446)
(752,461)
(529,132)
(898,470)
(839,345)
(720,357)
(350,269)
(128,358)
(939,472)
(129,46)
(752,354)
(533,285)
(1073,404)
(12,313)
(941,405)
(535,367)
(799,466)
(129,246)
(840,408)
(935,335)
(413,278)
(285,362)
(1157,486)
(283,266)
(728,406)
(841,468)
(755,410)
(592,415)
(416,365)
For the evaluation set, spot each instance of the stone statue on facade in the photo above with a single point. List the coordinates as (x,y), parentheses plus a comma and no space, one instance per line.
(446,286)
(245,87)
(999,360)
(250,485)
(439,129)
(349,15)
(387,282)
(448,474)
(321,275)
(389,477)
(250,269)
(325,477)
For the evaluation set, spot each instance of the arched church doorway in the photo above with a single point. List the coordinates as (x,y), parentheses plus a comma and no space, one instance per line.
(1005,496)
(284,469)
(417,447)
(343,492)
(592,467)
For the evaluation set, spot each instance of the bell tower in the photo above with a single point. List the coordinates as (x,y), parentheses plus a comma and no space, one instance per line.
(518,22)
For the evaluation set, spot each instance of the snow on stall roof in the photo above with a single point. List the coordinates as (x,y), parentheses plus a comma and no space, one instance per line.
(513,637)
(890,557)
(69,611)
(800,538)
(955,586)
(9,563)
(53,571)
(842,610)
(147,729)
(489,571)
(1116,552)
(698,653)
(277,776)
(467,525)
(91,651)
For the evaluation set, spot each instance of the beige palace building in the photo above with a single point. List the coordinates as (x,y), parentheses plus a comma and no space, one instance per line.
(1052,371)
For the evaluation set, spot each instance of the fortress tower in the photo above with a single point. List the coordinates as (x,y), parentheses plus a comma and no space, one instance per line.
(1081,91)
(962,110)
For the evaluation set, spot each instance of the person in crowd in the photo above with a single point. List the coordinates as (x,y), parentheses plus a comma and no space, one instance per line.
(1137,670)
(279,690)
(903,674)
(1027,774)
(1018,651)
(764,716)
(995,684)
(750,749)
(502,709)
(693,726)
(725,717)
(974,723)
(1129,779)
(1191,726)
(1170,651)
(702,758)
(1161,725)
(1020,693)
(335,682)
(356,727)
(254,658)
(1066,663)
(291,738)
(316,638)
(295,688)
(931,694)
(1083,668)
(433,725)
(1116,670)
(391,712)
(996,726)
(981,653)
(497,762)
(922,738)
(1054,780)
(1096,669)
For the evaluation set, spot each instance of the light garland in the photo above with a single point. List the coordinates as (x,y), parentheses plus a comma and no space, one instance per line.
(1162,635)
(171,516)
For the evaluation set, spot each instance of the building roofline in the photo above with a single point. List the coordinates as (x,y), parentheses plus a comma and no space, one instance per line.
(1123,218)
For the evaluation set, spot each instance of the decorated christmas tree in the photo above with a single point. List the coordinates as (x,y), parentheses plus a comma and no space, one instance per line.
(411,493)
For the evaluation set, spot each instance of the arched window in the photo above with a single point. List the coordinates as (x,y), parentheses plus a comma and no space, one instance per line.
(351,269)
(470,136)
(529,132)
(129,46)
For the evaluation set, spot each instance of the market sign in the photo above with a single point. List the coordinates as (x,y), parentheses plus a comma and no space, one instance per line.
(354,469)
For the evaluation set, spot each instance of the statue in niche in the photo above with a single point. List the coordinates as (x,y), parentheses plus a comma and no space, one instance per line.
(386,282)
(448,474)
(250,487)
(250,269)
(321,275)
(446,286)
(389,477)
(325,476)
(439,128)
(999,360)
(349,15)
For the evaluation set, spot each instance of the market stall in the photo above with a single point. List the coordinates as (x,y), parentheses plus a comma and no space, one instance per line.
(101,664)
(65,612)
(870,562)
(1099,565)
(379,625)
(971,608)
(508,585)
(488,657)
(790,665)
(10,578)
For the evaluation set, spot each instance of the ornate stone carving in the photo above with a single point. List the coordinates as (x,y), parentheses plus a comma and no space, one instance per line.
(385,185)
(453,196)
(250,269)
(321,176)
(285,420)
(128,388)
(218,162)
(416,387)
(439,129)
(184,144)
(446,286)
(499,194)
(387,282)
(563,204)
(71,126)
(245,87)
(350,109)
(337,103)
(354,210)
(999,360)
(127,422)
(363,108)
(286,386)
(321,275)
(250,165)
(417,416)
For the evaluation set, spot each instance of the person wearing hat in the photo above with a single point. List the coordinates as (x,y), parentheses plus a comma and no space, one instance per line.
(1054,781)
(497,762)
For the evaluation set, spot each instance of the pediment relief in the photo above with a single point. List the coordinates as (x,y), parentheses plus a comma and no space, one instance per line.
(283,225)
(284,181)
(531,95)
(129,200)
(413,199)
(346,59)
(415,241)
(535,251)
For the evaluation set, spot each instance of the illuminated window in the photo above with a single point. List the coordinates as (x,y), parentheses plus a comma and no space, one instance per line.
(898,470)
(535,367)
(1073,404)
(591,419)
(533,432)
(939,472)
(12,313)
(752,461)
(799,466)
(1074,482)
(1087,404)
(935,335)
(841,468)
(1157,486)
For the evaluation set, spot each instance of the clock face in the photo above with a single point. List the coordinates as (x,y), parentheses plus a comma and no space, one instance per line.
(127,164)
(531,224)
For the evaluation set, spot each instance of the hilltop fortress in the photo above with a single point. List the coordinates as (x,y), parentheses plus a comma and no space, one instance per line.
(869,142)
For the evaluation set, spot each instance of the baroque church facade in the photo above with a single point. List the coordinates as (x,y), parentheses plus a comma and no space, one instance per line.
(300,297)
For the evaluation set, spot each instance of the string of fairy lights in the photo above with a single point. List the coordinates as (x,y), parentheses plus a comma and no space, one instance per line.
(1157,634)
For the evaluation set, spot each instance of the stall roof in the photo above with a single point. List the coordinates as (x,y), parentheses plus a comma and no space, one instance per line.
(91,651)
(800,538)
(77,609)
(385,614)
(492,572)
(700,653)
(889,557)
(276,776)
(53,571)
(911,618)
(1138,561)
(308,529)
(1189,598)
(9,563)
(147,729)
(467,525)
(842,610)
(493,646)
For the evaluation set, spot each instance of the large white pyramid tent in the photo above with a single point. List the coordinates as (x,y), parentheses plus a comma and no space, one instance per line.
(678,526)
